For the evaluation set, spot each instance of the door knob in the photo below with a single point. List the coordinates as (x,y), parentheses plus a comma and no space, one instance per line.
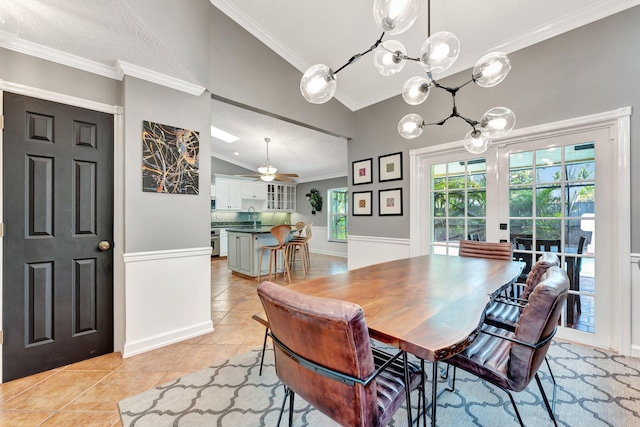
(104,245)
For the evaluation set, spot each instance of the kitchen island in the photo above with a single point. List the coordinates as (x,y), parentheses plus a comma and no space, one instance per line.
(244,245)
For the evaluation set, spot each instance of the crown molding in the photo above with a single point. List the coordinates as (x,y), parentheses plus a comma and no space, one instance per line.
(117,73)
(125,68)
(322,177)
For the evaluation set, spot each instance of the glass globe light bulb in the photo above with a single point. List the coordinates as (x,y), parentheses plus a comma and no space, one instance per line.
(395,16)
(267,178)
(491,69)
(416,90)
(411,126)
(389,57)
(475,142)
(318,84)
(439,52)
(497,122)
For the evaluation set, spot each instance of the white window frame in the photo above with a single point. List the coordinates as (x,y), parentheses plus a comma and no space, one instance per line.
(618,122)
(331,214)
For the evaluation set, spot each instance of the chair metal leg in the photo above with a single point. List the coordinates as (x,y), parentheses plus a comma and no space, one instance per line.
(452,387)
(264,347)
(555,386)
(291,399)
(515,408)
(434,393)
(546,401)
(407,387)
(284,401)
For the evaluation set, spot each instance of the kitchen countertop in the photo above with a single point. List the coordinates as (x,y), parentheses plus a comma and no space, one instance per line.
(251,230)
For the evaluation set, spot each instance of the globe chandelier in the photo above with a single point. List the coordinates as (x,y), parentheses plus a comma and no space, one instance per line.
(437,54)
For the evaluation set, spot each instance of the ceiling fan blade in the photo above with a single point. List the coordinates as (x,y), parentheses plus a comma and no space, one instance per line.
(292,175)
(282,178)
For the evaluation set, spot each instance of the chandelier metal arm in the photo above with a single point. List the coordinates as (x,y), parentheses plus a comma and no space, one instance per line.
(357,56)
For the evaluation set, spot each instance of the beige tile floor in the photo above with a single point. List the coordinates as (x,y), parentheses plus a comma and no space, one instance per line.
(87,393)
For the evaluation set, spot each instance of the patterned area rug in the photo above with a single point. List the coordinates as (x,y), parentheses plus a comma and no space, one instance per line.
(595,388)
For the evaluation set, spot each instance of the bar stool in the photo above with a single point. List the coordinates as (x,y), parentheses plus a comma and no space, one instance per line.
(280,232)
(301,244)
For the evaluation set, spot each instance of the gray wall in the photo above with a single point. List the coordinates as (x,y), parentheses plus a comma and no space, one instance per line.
(219,166)
(303,209)
(155,221)
(183,26)
(244,70)
(31,71)
(586,71)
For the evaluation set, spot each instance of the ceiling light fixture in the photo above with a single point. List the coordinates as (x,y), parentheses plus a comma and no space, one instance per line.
(266,169)
(437,54)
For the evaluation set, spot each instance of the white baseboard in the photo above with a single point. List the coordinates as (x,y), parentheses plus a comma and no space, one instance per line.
(171,337)
(368,250)
(635,350)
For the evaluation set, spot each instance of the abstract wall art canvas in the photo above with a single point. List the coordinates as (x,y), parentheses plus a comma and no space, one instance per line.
(170,159)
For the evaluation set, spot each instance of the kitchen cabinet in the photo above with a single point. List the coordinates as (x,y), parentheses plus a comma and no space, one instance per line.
(281,197)
(224,242)
(244,251)
(239,253)
(254,190)
(228,194)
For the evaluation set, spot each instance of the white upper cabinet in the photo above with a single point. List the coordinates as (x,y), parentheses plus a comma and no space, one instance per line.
(228,194)
(254,190)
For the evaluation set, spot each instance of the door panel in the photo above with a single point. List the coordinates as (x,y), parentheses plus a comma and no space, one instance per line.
(58,206)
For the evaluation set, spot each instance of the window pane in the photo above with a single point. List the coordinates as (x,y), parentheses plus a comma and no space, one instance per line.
(548,228)
(477,202)
(549,165)
(456,203)
(549,201)
(521,168)
(439,204)
(338,214)
(520,203)
(581,199)
(456,229)
(521,228)
(439,231)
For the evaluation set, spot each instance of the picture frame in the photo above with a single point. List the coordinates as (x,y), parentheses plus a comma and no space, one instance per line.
(170,159)
(390,202)
(362,172)
(361,202)
(390,167)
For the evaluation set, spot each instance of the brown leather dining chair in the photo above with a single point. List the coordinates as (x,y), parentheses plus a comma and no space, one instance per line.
(504,311)
(323,353)
(490,250)
(510,360)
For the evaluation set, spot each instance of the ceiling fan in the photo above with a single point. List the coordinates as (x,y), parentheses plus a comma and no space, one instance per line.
(268,171)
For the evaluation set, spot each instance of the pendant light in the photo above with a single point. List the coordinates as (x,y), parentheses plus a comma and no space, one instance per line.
(437,54)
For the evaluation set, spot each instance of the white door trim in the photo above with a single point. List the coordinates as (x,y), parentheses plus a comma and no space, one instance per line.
(118,193)
(620,123)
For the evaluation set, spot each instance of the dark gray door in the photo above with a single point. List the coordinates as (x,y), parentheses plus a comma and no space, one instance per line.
(58,207)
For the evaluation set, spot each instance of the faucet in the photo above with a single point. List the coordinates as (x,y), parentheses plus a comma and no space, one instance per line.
(255,216)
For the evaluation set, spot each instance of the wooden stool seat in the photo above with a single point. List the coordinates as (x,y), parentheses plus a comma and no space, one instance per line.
(280,232)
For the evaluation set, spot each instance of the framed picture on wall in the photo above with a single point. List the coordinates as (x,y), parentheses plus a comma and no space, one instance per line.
(362,203)
(362,172)
(390,202)
(390,167)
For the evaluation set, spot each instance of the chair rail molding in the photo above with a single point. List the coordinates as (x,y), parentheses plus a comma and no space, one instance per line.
(634,268)
(368,250)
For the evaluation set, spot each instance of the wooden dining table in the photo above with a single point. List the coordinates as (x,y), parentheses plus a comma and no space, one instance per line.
(430,306)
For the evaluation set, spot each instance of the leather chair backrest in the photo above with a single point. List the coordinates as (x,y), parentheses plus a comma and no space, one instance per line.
(489,250)
(546,260)
(537,321)
(331,333)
